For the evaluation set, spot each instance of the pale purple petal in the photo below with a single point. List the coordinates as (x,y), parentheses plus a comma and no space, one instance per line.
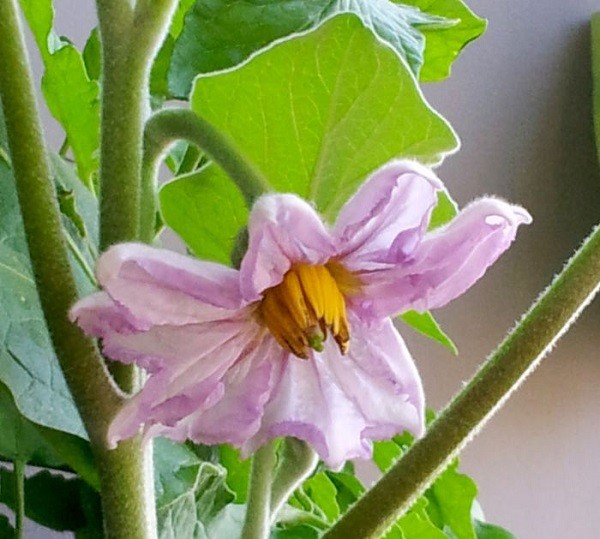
(447,262)
(162,287)
(188,381)
(308,404)
(237,414)
(386,218)
(379,376)
(98,315)
(282,229)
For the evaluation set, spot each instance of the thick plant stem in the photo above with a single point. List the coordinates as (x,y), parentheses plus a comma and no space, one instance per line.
(83,366)
(167,126)
(128,509)
(130,39)
(547,320)
(19,471)
(258,512)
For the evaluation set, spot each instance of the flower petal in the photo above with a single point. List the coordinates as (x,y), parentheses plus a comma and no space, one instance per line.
(162,287)
(282,229)
(188,382)
(447,262)
(379,376)
(247,387)
(306,403)
(386,218)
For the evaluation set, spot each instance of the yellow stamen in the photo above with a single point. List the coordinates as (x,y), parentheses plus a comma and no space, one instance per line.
(309,302)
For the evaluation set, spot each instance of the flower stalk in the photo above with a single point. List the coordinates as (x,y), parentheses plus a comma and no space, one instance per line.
(258,513)
(520,353)
(167,126)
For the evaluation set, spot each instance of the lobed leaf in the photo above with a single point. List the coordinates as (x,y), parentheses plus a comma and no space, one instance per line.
(211,40)
(443,45)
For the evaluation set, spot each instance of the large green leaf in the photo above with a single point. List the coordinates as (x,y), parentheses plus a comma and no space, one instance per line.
(443,45)
(207,211)
(191,494)
(211,40)
(28,365)
(72,97)
(318,113)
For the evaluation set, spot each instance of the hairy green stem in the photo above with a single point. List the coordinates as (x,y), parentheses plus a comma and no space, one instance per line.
(595,38)
(167,126)
(19,471)
(258,511)
(527,344)
(298,460)
(130,39)
(128,509)
(83,366)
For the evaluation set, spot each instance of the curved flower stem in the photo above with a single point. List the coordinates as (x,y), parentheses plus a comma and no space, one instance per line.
(298,460)
(546,321)
(19,471)
(258,511)
(167,126)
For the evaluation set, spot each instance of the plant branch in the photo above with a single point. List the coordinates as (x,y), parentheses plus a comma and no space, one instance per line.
(19,471)
(167,126)
(258,512)
(527,344)
(83,366)
(128,509)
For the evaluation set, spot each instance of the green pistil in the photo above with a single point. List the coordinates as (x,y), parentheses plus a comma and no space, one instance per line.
(316,338)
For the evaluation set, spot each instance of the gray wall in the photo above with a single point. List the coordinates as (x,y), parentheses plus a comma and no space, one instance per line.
(520,100)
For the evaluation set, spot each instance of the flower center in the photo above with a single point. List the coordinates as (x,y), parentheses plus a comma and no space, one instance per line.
(306,305)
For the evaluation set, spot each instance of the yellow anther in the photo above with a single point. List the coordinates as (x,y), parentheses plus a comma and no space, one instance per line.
(306,306)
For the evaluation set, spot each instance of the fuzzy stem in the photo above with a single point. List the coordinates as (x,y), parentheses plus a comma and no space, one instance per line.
(84,369)
(167,126)
(258,512)
(527,344)
(19,471)
(595,38)
(128,509)
(298,460)
(130,39)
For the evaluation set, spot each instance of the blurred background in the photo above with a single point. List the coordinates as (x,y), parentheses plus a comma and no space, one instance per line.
(520,99)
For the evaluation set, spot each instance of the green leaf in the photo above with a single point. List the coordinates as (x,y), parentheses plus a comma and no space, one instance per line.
(450,500)
(444,44)
(211,40)
(320,489)
(20,438)
(317,128)
(79,208)
(385,454)
(445,210)
(72,97)
(6,530)
(348,488)
(483,530)
(190,493)
(318,113)
(238,471)
(28,365)
(207,211)
(427,325)
(50,500)
(417,525)
(92,55)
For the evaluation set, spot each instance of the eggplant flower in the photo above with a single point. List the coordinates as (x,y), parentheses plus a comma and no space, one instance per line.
(298,341)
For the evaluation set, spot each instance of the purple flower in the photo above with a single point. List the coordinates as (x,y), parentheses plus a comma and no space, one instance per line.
(298,342)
